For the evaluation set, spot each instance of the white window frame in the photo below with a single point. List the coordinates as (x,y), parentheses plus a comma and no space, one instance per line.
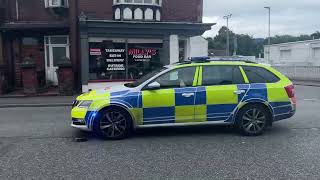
(115,2)
(50,45)
(49,64)
(49,4)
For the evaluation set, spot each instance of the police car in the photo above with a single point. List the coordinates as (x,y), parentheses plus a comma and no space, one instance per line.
(247,95)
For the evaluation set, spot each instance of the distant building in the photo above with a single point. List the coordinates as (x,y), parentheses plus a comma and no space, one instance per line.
(304,53)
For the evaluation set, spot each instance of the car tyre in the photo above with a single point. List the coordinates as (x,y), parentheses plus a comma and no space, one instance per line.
(114,124)
(252,120)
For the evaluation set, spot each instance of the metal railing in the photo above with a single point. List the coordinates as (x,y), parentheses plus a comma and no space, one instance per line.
(304,73)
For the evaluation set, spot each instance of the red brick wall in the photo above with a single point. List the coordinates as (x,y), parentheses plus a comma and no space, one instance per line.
(101,9)
(182,10)
(32,10)
(36,53)
(172,10)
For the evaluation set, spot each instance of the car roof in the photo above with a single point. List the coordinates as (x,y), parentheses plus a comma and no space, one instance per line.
(190,63)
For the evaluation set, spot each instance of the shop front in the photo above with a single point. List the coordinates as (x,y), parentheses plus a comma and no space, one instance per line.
(114,53)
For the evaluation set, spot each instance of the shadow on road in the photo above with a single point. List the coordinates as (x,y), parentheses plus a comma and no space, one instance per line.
(191,131)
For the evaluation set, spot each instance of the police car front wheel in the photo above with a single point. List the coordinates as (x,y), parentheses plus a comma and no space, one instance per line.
(114,124)
(252,120)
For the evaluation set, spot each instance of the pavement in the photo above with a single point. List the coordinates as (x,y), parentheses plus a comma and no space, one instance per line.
(44,101)
(307,83)
(38,143)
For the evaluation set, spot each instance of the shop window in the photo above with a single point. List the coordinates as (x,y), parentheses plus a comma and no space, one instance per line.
(127,13)
(148,14)
(138,14)
(115,61)
(117,14)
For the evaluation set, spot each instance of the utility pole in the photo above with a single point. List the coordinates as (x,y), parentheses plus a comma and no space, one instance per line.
(227,17)
(269,33)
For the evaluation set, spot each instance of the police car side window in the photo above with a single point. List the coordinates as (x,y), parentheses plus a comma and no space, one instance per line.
(221,75)
(182,77)
(259,75)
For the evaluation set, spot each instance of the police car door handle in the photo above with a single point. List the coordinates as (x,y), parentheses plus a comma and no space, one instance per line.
(240,92)
(187,94)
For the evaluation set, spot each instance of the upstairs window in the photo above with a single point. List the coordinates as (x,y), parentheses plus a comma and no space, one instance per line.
(56,3)
(146,2)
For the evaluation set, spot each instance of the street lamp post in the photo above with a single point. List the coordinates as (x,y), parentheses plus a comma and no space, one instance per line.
(228,42)
(269,32)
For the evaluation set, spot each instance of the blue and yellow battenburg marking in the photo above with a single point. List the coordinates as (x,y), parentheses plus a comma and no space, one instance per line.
(191,104)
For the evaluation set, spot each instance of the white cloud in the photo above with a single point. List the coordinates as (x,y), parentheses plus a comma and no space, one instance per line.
(249,16)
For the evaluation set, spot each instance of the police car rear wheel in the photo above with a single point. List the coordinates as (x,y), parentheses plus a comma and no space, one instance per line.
(114,124)
(252,120)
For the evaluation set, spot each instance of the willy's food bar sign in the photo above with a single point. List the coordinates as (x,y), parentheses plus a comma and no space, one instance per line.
(142,55)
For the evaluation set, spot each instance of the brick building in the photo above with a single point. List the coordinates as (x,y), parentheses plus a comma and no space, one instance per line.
(107,41)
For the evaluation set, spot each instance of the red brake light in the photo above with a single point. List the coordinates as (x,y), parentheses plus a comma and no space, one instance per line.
(290,91)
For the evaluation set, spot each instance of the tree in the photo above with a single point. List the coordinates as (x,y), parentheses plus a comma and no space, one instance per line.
(248,46)
(316,35)
(245,42)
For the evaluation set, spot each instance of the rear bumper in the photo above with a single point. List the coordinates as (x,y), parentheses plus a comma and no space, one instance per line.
(288,115)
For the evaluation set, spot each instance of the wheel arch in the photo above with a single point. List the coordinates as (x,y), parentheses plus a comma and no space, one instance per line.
(264,103)
(120,106)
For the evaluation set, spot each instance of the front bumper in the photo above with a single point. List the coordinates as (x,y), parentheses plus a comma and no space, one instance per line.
(78,116)
(81,127)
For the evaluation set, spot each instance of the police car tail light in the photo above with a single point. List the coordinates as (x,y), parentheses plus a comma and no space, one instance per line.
(291,94)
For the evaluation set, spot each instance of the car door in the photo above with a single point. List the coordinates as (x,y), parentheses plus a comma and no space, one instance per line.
(173,101)
(218,94)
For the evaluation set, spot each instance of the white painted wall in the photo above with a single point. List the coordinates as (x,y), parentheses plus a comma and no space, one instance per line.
(197,46)
(295,53)
(174,49)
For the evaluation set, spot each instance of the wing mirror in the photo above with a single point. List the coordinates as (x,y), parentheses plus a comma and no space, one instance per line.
(153,86)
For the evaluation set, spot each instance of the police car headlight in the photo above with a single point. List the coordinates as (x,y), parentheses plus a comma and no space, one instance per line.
(85,104)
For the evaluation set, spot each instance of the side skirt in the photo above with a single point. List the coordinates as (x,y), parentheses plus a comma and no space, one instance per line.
(185,124)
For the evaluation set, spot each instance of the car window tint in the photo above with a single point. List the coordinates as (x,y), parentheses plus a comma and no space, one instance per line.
(221,75)
(182,77)
(259,75)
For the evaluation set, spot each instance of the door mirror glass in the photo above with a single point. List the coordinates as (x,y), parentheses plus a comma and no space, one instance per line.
(153,86)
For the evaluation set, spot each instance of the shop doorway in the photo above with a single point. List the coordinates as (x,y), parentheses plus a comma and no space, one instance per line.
(56,48)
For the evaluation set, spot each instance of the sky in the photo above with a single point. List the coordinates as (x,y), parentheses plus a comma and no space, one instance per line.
(293,17)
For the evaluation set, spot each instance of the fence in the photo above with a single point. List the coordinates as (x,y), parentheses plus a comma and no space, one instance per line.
(304,73)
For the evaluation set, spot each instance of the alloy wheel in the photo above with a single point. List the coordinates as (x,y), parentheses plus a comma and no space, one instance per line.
(113,124)
(253,121)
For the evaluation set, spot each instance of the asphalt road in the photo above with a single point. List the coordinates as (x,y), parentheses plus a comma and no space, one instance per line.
(37,143)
